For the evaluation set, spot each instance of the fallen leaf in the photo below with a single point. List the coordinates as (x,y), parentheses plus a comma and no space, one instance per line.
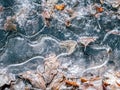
(9,25)
(51,65)
(71,83)
(59,7)
(70,45)
(99,9)
(86,40)
(118,83)
(95,78)
(83,79)
(46,14)
(35,79)
(57,82)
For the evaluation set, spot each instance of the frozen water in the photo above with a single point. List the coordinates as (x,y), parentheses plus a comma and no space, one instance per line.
(34,40)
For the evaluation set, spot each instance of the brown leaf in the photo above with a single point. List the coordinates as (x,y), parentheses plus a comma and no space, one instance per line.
(35,79)
(59,7)
(70,45)
(57,82)
(50,66)
(99,9)
(46,14)
(71,83)
(83,79)
(9,25)
(105,84)
(118,83)
(86,40)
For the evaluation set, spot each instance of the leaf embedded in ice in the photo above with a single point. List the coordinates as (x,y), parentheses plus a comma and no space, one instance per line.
(86,40)
(70,45)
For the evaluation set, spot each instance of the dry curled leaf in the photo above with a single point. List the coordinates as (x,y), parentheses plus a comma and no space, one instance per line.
(35,79)
(59,6)
(57,82)
(50,66)
(83,80)
(95,78)
(99,9)
(71,83)
(47,16)
(86,40)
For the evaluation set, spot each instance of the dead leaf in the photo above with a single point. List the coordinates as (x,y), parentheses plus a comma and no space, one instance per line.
(46,14)
(83,79)
(9,25)
(95,78)
(118,83)
(99,9)
(86,40)
(50,66)
(71,83)
(35,79)
(57,82)
(70,45)
(59,7)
